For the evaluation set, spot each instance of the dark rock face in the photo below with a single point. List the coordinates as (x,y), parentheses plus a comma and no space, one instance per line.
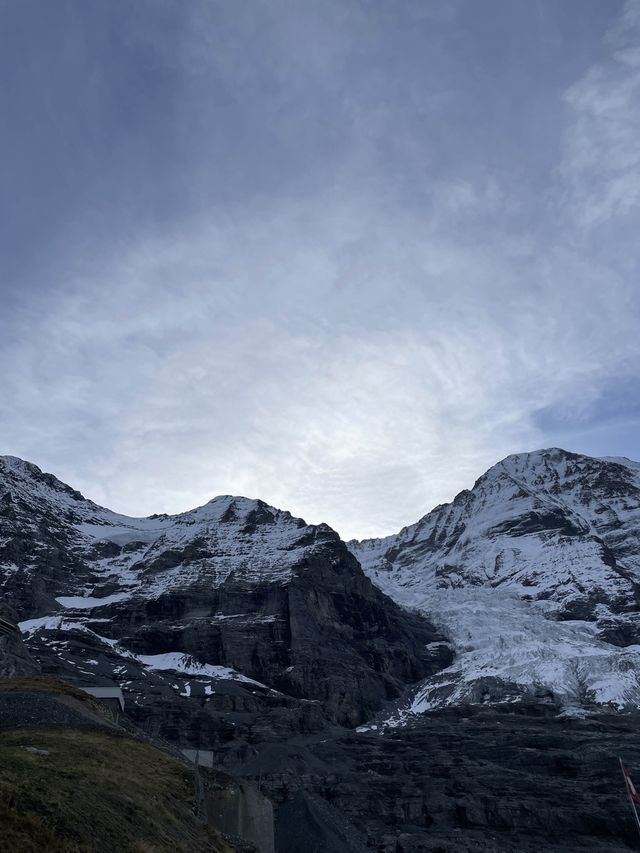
(489,780)
(15,659)
(327,635)
(235,585)
(309,822)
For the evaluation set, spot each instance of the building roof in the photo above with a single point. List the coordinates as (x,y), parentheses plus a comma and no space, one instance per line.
(106,692)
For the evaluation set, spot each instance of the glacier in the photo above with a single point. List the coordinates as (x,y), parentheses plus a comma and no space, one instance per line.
(533,575)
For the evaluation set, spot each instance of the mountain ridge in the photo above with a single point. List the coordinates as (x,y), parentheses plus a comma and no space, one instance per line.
(532,575)
(234,598)
(399,682)
(542,550)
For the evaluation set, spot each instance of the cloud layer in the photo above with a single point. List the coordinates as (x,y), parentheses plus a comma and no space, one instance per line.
(358,254)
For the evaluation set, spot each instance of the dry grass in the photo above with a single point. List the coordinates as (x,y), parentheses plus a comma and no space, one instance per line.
(95,791)
(41,682)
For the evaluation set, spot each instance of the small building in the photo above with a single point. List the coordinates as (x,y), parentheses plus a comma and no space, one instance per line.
(111,696)
(201,757)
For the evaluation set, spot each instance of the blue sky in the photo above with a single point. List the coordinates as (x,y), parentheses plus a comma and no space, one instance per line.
(342,255)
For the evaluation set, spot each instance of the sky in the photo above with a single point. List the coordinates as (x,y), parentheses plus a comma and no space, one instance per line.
(341,255)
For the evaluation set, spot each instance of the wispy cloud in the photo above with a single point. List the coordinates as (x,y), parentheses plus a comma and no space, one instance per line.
(360,342)
(602,165)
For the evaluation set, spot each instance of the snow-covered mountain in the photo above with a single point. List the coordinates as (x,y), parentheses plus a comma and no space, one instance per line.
(240,630)
(235,604)
(534,574)
(532,577)
(150,556)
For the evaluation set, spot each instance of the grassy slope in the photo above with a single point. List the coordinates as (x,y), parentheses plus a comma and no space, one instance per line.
(46,683)
(96,790)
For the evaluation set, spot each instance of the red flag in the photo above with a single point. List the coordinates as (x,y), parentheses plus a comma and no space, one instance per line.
(630,786)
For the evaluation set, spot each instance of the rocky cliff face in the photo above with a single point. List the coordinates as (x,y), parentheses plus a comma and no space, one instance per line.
(250,612)
(496,779)
(15,659)
(534,574)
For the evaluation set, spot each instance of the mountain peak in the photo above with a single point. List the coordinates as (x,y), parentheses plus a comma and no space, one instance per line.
(15,463)
(534,572)
(554,470)
(28,478)
(547,457)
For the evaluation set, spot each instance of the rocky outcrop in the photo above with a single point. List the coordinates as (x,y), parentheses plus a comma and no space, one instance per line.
(239,810)
(15,659)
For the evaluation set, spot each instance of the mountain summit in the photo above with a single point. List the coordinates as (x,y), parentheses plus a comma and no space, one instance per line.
(533,574)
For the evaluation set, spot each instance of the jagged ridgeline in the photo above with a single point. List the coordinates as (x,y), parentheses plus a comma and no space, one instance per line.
(323,670)
(236,603)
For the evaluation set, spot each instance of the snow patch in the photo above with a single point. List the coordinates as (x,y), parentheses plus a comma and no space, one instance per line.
(79,602)
(177,662)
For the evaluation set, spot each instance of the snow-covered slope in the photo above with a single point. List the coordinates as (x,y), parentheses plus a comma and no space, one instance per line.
(151,555)
(234,591)
(534,575)
(77,572)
